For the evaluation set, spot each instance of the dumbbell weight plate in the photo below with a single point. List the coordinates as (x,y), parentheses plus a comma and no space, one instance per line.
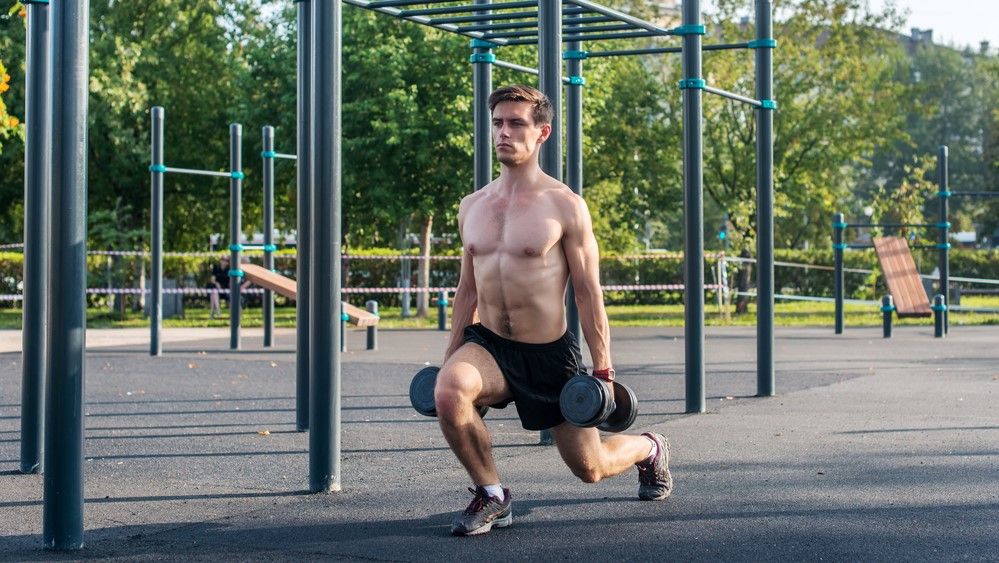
(625,410)
(585,401)
(421,392)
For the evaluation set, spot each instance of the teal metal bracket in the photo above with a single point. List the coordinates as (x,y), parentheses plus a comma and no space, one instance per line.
(482,44)
(577,81)
(943,246)
(936,307)
(41,2)
(236,247)
(840,246)
(575,55)
(694,29)
(487,58)
(692,83)
(762,44)
(944,194)
(158,168)
(236,174)
(236,273)
(269,248)
(768,104)
(887,309)
(268,154)
(839,225)
(943,225)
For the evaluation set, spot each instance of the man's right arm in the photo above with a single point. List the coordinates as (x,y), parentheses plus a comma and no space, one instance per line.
(465,297)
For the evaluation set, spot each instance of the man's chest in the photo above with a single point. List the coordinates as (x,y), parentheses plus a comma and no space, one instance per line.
(519,230)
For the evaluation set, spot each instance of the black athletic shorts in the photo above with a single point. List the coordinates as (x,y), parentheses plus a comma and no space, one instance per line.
(535,373)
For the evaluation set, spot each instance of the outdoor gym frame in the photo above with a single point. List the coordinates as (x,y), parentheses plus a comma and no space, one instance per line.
(944,193)
(489,26)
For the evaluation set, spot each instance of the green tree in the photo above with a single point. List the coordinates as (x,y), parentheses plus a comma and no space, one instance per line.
(837,102)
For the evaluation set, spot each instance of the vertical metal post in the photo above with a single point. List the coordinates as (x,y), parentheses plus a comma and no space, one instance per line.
(939,315)
(324,361)
(303,236)
(550,83)
(482,86)
(839,226)
(887,308)
(268,176)
(574,148)
(372,343)
(37,194)
(764,205)
(157,173)
(235,230)
(943,244)
(442,310)
(62,511)
(693,207)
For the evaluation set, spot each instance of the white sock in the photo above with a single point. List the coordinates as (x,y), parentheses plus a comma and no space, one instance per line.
(495,491)
(652,451)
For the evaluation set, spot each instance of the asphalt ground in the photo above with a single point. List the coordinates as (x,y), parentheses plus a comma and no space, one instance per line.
(872,450)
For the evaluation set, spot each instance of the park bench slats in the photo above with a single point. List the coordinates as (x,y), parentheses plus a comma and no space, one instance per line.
(288,288)
(902,278)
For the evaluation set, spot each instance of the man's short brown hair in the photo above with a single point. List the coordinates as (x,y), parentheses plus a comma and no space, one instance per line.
(541,107)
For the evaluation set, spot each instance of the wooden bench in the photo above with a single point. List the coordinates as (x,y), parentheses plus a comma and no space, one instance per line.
(904,283)
(288,288)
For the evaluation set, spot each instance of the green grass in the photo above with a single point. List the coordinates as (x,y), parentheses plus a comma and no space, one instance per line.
(787,313)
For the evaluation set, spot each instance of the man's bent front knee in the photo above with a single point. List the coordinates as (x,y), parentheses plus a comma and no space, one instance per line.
(456,390)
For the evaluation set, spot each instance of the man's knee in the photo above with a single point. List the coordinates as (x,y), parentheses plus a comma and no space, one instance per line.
(456,389)
(586,472)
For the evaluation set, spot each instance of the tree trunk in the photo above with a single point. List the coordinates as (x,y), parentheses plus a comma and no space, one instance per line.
(745,275)
(423,274)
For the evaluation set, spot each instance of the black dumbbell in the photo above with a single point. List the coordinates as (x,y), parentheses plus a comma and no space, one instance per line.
(421,392)
(587,401)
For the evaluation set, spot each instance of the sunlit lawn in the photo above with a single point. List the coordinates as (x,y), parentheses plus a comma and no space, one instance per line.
(794,313)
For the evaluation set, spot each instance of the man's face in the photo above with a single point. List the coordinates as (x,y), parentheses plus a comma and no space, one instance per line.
(515,135)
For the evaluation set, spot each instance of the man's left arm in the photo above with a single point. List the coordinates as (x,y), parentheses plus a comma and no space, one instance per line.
(583,259)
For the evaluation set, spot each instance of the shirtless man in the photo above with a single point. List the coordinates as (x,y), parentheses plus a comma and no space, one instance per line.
(525,235)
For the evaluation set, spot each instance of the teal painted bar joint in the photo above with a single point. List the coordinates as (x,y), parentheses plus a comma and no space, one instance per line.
(936,307)
(482,44)
(42,2)
(943,246)
(158,168)
(236,247)
(269,248)
(577,81)
(268,154)
(887,309)
(840,246)
(442,302)
(943,225)
(237,174)
(697,29)
(487,58)
(344,317)
(236,273)
(763,44)
(575,55)
(839,225)
(944,194)
(768,104)
(692,83)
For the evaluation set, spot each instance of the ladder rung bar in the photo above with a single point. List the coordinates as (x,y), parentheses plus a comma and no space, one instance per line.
(467,8)
(595,37)
(194,172)
(286,156)
(488,27)
(565,31)
(733,96)
(397,3)
(498,16)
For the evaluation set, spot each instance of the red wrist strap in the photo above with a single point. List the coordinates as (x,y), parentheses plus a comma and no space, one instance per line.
(603,373)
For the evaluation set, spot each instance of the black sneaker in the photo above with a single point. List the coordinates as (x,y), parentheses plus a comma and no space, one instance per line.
(483,513)
(654,479)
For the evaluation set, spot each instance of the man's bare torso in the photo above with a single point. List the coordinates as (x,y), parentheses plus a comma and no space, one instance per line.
(514,239)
